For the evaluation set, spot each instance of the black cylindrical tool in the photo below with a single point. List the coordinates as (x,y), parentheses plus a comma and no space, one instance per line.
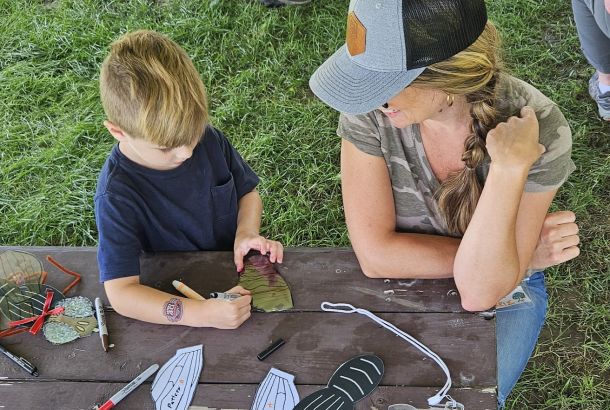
(274,346)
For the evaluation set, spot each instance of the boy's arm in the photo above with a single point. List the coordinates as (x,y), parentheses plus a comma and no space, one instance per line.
(247,236)
(129,298)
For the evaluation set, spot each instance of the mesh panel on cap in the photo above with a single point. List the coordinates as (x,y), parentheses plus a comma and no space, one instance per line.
(436,30)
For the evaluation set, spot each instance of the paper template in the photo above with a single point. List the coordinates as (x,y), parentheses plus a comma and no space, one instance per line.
(175,384)
(351,382)
(276,392)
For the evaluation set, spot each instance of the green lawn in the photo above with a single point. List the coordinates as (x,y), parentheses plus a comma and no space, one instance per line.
(256,64)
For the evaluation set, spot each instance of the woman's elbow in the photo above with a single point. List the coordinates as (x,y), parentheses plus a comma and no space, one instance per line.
(477,304)
(368,265)
(370,272)
(478,301)
(482,296)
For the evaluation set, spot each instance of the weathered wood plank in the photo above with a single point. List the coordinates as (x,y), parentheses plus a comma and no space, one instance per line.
(314,275)
(316,344)
(83,395)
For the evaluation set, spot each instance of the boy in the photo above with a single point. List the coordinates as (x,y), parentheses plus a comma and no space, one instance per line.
(172,183)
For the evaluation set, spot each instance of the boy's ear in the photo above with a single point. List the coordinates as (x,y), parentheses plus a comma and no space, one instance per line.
(116,131)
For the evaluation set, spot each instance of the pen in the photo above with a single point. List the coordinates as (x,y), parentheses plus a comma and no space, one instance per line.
(101,323)
(225,296)
(121,394)
(186,291)
(24,364)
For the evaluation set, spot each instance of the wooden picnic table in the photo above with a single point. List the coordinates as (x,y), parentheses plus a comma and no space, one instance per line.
(80,374)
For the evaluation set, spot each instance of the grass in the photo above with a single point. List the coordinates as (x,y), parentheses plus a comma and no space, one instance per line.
(256,63)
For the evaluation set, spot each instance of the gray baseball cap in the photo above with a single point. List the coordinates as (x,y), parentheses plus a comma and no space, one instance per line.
(389,43)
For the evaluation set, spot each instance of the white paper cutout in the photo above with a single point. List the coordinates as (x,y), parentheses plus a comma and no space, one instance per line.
(276,392)
(175,384)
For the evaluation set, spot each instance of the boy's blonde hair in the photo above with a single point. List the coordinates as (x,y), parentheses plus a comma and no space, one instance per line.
(151,89)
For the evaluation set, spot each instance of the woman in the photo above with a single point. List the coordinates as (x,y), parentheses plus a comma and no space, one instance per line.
(441,161)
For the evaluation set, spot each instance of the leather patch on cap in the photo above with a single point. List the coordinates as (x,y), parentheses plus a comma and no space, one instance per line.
(356,35)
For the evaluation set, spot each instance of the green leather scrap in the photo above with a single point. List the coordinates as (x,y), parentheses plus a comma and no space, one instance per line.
(270,292)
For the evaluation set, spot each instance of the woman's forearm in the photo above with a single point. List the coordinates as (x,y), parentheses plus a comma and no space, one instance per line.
(487,264)
(408,255)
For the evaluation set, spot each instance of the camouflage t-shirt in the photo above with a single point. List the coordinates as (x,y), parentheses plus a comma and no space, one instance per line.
(413,182)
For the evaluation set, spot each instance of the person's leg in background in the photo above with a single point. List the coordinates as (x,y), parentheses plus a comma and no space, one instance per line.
(280,3)
(592,18)
(517,330)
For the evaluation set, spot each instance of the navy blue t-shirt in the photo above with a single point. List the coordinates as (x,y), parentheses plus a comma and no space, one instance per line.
(192,207)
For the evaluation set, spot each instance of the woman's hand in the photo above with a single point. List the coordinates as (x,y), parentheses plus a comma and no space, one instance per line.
(558,241)
(514,144)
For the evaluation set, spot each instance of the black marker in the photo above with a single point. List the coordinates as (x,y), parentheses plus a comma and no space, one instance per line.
(24,364)
(274,346)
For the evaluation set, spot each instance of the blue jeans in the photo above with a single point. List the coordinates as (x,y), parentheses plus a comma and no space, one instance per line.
(517,331)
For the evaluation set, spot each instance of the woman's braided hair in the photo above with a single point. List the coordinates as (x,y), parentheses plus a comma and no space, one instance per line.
(473,73)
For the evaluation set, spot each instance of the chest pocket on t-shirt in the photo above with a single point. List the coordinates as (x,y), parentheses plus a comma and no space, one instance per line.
(224,199)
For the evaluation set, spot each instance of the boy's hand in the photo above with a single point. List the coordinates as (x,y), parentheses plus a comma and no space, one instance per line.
(239,290)
(558,240)
(224,314)
(244,243)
